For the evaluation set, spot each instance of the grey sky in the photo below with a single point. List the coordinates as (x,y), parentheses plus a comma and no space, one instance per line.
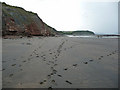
(70,15)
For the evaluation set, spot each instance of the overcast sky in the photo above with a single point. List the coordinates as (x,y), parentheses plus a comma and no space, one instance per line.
(99,16)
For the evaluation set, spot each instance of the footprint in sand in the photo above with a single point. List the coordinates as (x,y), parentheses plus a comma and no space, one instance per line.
(91,60)
(47,63)
(55,56)
(20,65)
(101,56)
(110,54)
(113,53)
(41,82)
(3,61)
(10,75)
(55,64)
(37,56)
(15,59)
(54,71)
(50,53)
(59,75)
(3,69)
(53,81)
(49,88)
(13,65)
(65,49)
(85,62)
(48,76)
(52,68)
(24,61)
(65,69)
(55,60)
(21,69)
(74,65)
(68,82)
(28,59)
(52,74)
(44,80)
(44,60)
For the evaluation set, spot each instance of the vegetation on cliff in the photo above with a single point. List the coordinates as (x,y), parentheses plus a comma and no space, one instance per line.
(18,21)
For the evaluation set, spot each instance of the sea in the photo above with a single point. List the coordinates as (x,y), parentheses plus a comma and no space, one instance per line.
(93,36)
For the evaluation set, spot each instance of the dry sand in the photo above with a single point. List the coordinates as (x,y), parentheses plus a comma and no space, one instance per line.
(60,62)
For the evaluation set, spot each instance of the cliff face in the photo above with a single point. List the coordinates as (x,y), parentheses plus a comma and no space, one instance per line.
(17,21)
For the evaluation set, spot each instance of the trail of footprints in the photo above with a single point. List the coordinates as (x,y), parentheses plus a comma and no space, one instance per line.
(102,57)
(53,63)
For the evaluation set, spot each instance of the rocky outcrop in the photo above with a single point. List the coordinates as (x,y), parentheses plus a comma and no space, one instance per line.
(17,21)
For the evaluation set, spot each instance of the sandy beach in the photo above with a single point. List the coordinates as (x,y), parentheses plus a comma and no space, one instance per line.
(60,62)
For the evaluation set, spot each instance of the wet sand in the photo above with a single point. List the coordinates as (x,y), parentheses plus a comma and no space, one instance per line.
(60,62)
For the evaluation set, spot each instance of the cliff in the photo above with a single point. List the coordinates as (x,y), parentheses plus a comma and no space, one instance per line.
(17,21)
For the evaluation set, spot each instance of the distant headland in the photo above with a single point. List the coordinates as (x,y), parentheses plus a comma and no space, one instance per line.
(78,32)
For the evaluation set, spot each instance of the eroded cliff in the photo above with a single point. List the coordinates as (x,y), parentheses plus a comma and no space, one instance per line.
(17,21)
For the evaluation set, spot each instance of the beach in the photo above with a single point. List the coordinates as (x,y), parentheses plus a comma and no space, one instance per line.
(60,62)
